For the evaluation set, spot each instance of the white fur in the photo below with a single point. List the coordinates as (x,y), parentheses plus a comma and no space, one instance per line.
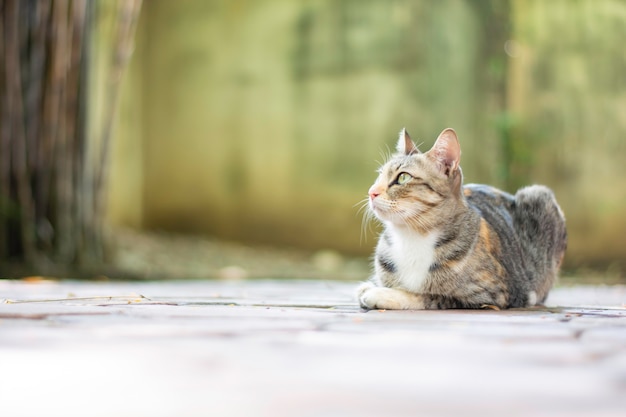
(412,254)
(401,145)
(373,297)
(532,298)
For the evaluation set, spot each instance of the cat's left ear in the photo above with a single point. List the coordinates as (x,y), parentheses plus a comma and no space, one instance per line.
(405,144)
(446,152)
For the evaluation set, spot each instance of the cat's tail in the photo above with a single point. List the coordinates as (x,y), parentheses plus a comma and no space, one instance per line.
(541,225)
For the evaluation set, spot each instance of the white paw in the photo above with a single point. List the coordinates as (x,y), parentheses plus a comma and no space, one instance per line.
(365,286)
(382,298)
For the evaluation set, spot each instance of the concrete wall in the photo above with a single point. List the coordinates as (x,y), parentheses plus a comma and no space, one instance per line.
(262,120)
(567,89)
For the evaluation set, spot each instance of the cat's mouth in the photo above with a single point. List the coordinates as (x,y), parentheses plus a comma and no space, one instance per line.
(390,211)
(383,210)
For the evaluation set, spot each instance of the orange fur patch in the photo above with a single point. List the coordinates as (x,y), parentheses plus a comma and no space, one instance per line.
(488,237)
(491,243)
(485,234)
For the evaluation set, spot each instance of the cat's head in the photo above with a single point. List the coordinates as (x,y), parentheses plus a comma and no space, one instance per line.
(417,189)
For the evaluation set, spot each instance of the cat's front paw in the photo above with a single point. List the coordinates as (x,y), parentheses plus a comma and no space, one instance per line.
(360,294)
(372,297)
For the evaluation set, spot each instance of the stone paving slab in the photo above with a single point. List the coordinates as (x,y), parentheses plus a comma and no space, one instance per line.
(301,348)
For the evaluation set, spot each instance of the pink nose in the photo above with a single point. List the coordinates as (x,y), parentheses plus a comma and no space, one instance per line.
(374,192)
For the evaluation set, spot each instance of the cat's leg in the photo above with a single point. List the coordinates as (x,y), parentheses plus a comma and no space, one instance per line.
(373,297)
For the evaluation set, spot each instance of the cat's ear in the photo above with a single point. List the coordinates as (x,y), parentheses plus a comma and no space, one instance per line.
(446,152)
(405,144)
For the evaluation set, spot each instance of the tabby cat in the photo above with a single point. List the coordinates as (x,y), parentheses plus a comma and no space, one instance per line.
(446,245)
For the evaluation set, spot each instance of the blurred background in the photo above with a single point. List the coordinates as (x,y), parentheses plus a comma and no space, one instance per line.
(239,126)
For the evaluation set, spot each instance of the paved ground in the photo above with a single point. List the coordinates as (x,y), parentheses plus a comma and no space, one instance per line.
(301,348)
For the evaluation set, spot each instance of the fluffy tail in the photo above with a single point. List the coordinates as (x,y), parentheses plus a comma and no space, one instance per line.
(541,225)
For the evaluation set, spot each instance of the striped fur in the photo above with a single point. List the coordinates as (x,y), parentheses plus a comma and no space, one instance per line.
(446,245)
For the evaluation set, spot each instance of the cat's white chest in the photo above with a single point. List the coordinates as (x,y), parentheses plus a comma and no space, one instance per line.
(413,255)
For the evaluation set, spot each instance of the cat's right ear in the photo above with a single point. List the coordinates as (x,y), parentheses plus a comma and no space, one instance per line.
(405,144)
(446,151)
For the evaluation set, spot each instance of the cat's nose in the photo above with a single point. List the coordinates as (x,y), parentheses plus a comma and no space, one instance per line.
(374,192)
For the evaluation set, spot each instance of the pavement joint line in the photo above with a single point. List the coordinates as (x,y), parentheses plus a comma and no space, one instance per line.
(58,300)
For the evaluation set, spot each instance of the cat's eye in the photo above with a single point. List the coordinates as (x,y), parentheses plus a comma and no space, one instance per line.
(403,178)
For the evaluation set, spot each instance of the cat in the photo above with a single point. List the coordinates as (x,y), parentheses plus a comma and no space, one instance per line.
(446,245)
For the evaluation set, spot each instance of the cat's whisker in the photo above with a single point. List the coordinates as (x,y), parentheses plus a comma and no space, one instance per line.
(366,225)
(366,222)
(366,216)
(421,225)
(385,155)
(363,204)
(414,218)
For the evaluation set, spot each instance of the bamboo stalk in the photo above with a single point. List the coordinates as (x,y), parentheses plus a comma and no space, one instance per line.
(41,162)
(84,176)
(127,16)
(63,158)
(77,17)
(50,114)
(5,137)
(16,108)
(128,12)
